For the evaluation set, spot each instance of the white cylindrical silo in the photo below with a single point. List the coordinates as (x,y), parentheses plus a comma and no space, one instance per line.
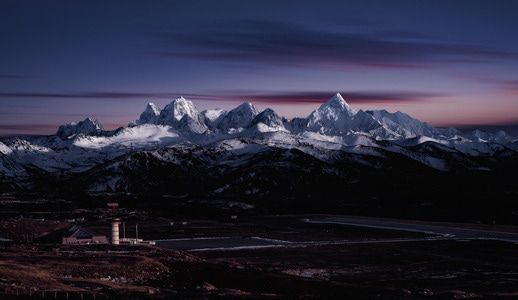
(115,232)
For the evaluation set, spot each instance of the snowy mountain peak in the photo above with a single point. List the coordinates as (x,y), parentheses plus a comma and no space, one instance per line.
(338,103)
(334,118)
(87,126)
(500,136)
(149,116)
(213,116)
(180,114)
(174,111)
(151,110)
(333,115)
(402,124)
(268,120)
(239,117)
(179,148)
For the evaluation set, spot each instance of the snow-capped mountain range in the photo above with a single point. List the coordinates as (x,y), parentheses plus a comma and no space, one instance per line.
(244,151)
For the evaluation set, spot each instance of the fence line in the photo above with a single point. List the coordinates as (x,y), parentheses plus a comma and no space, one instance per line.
(30,293)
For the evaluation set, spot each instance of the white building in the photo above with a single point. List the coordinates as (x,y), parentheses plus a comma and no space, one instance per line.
(78,235)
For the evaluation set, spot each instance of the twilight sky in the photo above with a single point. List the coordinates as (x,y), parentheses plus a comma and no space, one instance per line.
(445,62)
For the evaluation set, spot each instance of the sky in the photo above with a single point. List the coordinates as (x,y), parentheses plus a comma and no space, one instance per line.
(449,63)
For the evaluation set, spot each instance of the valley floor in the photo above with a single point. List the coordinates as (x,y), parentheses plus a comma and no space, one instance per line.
(284,257)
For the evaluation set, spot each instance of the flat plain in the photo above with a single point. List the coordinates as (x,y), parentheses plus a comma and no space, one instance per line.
(299,256)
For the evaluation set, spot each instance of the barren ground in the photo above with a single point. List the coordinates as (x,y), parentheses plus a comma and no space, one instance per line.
(373,264)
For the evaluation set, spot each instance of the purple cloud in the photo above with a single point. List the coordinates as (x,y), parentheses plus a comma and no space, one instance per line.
(508,85)
(321,97)
(240,96)
(102,95)
(278,43)
(35,129)
(108,95)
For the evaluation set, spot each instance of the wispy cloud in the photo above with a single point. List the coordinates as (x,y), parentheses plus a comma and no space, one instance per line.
(278,43)
(289,97)
(34,128)
(320,97)
(93,95)
(508,86)
(12,76)
(503,85)
(112,96)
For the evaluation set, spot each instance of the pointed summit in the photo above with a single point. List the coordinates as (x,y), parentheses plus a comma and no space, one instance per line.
(150,111)
(338,104)
(182,114)
(334,115)
(149,116)
(174,111)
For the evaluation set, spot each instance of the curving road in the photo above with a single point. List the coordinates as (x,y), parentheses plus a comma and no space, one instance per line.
(444,231)
(431,231)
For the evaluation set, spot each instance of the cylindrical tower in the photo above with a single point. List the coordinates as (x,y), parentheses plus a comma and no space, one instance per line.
(115,231)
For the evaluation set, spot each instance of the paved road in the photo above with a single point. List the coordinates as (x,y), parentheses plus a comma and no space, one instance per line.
(219,243)
(432,232)
(444,231)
